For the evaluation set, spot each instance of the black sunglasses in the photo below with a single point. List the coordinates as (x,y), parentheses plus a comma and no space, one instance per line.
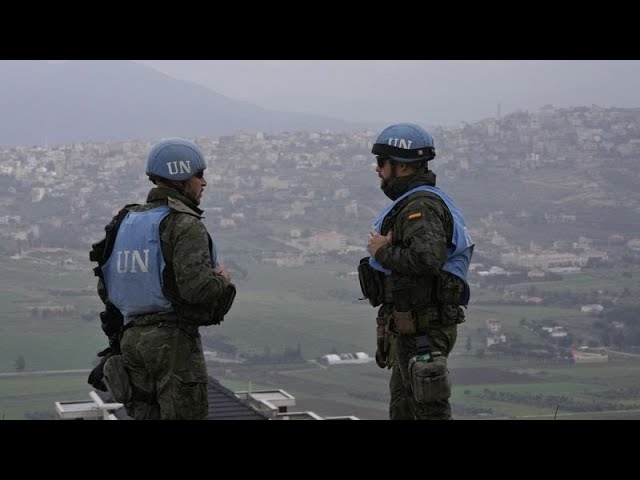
(200,174)
(380,159)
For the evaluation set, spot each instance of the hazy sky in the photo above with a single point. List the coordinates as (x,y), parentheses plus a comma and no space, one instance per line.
(424,91)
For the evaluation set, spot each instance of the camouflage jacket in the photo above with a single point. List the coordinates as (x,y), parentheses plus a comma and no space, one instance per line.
(188,280)
(422,227)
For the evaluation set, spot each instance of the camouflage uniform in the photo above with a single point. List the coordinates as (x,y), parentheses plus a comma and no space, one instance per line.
(163,353)
(416,255)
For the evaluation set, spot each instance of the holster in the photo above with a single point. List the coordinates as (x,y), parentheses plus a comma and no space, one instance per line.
(371,283)
(223,306)
(111,320)
(386,343)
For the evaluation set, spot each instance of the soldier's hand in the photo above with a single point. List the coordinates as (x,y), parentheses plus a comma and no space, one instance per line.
(376,241)
(223,272)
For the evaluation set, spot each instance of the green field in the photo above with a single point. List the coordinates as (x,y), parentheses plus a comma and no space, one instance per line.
(316,309)
(20,396)
(280,308)
(587,281)
(362,390)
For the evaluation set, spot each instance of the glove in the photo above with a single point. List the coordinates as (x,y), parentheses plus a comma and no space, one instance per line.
(382,340)
(386,352)
(381,353)
(383,359)
(97,374)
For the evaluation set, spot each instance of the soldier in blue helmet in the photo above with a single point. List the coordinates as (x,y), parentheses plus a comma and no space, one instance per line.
(417,273)
(160,281)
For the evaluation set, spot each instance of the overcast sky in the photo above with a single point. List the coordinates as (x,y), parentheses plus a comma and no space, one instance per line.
(431,92)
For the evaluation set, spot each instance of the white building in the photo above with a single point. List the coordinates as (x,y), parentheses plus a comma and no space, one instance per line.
(593,308)
(345,358)
(328,241)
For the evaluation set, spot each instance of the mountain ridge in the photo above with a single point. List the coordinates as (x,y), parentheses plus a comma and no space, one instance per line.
(115,100)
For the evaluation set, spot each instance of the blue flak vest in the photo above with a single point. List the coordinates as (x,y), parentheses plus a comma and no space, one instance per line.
(458,255)
(133,272)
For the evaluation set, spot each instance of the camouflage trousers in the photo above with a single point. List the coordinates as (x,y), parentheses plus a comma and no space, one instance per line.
(442,331)
(167,372)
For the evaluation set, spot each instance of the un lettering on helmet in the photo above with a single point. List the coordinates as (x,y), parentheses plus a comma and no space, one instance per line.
(405,142)
(175,159)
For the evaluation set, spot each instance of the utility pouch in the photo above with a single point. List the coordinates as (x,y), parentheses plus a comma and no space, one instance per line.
(429,377)
(371,282)
(116,379)
(223,306)
(404,322)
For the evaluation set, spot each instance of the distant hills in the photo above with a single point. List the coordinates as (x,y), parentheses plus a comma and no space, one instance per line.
(97,100)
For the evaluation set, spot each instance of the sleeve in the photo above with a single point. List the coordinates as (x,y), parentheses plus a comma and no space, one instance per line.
(419,240)
(195,280)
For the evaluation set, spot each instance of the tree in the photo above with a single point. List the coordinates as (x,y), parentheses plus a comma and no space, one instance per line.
(19,363)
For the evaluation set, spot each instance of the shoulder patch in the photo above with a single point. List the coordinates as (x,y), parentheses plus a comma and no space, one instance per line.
(414,215)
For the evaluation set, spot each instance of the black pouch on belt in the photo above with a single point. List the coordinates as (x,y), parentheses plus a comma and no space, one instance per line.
(371,283)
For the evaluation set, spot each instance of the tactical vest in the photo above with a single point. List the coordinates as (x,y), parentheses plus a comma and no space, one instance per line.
(458,254)
(133,273)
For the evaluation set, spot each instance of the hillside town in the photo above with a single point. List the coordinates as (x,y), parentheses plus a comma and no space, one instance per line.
(313,193)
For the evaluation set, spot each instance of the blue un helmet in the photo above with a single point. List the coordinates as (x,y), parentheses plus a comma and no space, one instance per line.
(405,142)
(175,159)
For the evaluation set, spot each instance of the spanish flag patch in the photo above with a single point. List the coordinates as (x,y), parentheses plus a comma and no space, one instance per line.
(414,215)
